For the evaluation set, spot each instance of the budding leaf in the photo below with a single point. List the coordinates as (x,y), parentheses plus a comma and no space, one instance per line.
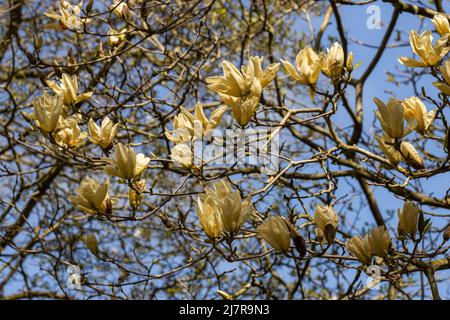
(300,245)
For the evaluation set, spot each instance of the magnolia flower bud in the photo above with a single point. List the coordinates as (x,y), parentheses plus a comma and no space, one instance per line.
(391,117)
(127,164)
(415,109)
(407,219)
(308,63)
(441,24)
(234,211)
(47,110)
(411,156)
(276,233)
(210,216)
(136,194)
(68,88)
(349,63)
(360,248)
(333,61)
(326,219)
(444,87)
(422,46)
(92,197)
(102,136)
(380,241)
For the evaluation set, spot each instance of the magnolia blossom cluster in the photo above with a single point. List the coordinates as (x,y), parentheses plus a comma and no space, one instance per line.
(241,89)
(378,242)
(68,16)
(309,64)
(398,119)
(52,113)
(54,116)
(221,209)
(189,127)
(93,198)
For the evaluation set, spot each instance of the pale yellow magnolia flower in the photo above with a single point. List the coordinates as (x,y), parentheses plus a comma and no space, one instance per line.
(380,241)
(234,82)
(444,86)
(243,108)
(414,108)
(219,189)
(182,154)
(120,8)
(102,136)
(429,54)
(71,136)
(68,17)
(275,231)
(92,197)
(188,126)
(387,145)
(333,61)
(127,164)
(47,110)
(391,117)
(234,211)
(68,88)
(360,248)
(308,64)
(136,195)
(327,220)
(407,219)
(441,24)
(265,77)
(411,156)
(210,216)
(242,90)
